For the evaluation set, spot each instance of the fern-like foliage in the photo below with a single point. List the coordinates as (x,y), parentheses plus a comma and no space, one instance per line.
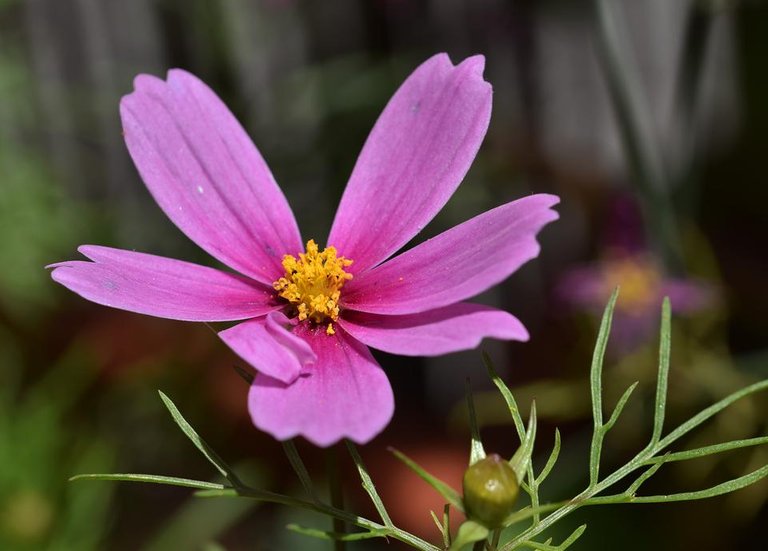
(532,520)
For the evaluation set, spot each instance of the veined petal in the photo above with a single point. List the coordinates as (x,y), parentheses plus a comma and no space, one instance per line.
(162,287)
(456,327)
(269,345)
(344,394)
(206,174)
(414,159)
(457,264)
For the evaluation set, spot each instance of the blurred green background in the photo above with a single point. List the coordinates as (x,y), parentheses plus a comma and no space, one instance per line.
(307,79)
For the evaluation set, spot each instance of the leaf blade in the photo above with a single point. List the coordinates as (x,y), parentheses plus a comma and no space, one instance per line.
(368,484)
(477,452)
(704,451)
(450,495)
(551,460)
(717,490)
(507,395)
(212,457)
(709,412)
(338,536)
(596,388)
(299,468)
(663,375)
(152,479)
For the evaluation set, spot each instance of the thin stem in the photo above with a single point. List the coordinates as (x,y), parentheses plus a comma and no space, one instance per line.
(345,516)
(495,539)
(584,498)
(698,28)
(642,157)
(337,494)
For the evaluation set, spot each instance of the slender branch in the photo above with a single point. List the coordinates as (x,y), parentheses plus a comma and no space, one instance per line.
(643,158)
(337,494)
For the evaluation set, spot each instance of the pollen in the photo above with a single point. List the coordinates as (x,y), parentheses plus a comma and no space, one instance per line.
(312,284)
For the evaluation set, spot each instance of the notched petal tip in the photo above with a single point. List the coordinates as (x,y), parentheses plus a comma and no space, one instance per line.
(474,64)
(417,154)
(162,287)
(344,395)
(206,174)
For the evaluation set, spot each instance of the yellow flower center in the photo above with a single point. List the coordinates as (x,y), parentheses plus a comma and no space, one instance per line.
(639,280)
(313,282)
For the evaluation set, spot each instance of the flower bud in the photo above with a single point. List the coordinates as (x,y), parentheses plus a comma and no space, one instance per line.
(490,491)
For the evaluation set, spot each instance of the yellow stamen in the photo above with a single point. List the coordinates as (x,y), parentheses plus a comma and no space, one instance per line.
(639,279)
(312,284)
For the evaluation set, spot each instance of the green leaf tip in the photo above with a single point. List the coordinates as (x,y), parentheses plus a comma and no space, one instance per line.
(152,479)
(663,374)
(212,457)
(469,532)
(450,495)
(338,536)
(477,452)
(521,460)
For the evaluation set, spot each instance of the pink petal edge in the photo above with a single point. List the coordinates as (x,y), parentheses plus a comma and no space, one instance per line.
(269,345)
(413,160)
(345,394)
(162,287)
(457,264)
(452,328)
(206,174)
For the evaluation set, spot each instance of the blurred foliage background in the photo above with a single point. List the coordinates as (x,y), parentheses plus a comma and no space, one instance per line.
(670,191)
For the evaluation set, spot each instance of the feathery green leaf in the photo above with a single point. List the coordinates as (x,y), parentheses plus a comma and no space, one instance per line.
(663,376)
(551,460)
(368,484)
(299,468)
(336,536)
(199,443)
(153,479)
(507,395)
(451,495)
(619,407)
(596,388)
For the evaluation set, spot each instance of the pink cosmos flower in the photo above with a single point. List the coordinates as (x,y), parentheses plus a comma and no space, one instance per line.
(643,286)
(310,317)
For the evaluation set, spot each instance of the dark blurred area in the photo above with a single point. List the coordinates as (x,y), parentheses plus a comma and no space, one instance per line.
(684,218)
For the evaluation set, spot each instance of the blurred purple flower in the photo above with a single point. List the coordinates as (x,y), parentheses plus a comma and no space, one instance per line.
(310,318)
(643,287)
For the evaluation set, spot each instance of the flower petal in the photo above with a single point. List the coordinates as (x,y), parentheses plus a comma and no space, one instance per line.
(206,174)
(162,287)
(456,327)
(269,346)
(687,296)
(457,264)
(414,159)
(345,394)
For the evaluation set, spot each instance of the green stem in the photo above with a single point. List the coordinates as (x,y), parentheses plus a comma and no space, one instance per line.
(336,493)
(698,28)
(642,157)
(495,539)
(345,516)
(583,499)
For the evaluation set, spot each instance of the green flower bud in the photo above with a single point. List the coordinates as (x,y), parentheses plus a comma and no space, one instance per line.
(490,491)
